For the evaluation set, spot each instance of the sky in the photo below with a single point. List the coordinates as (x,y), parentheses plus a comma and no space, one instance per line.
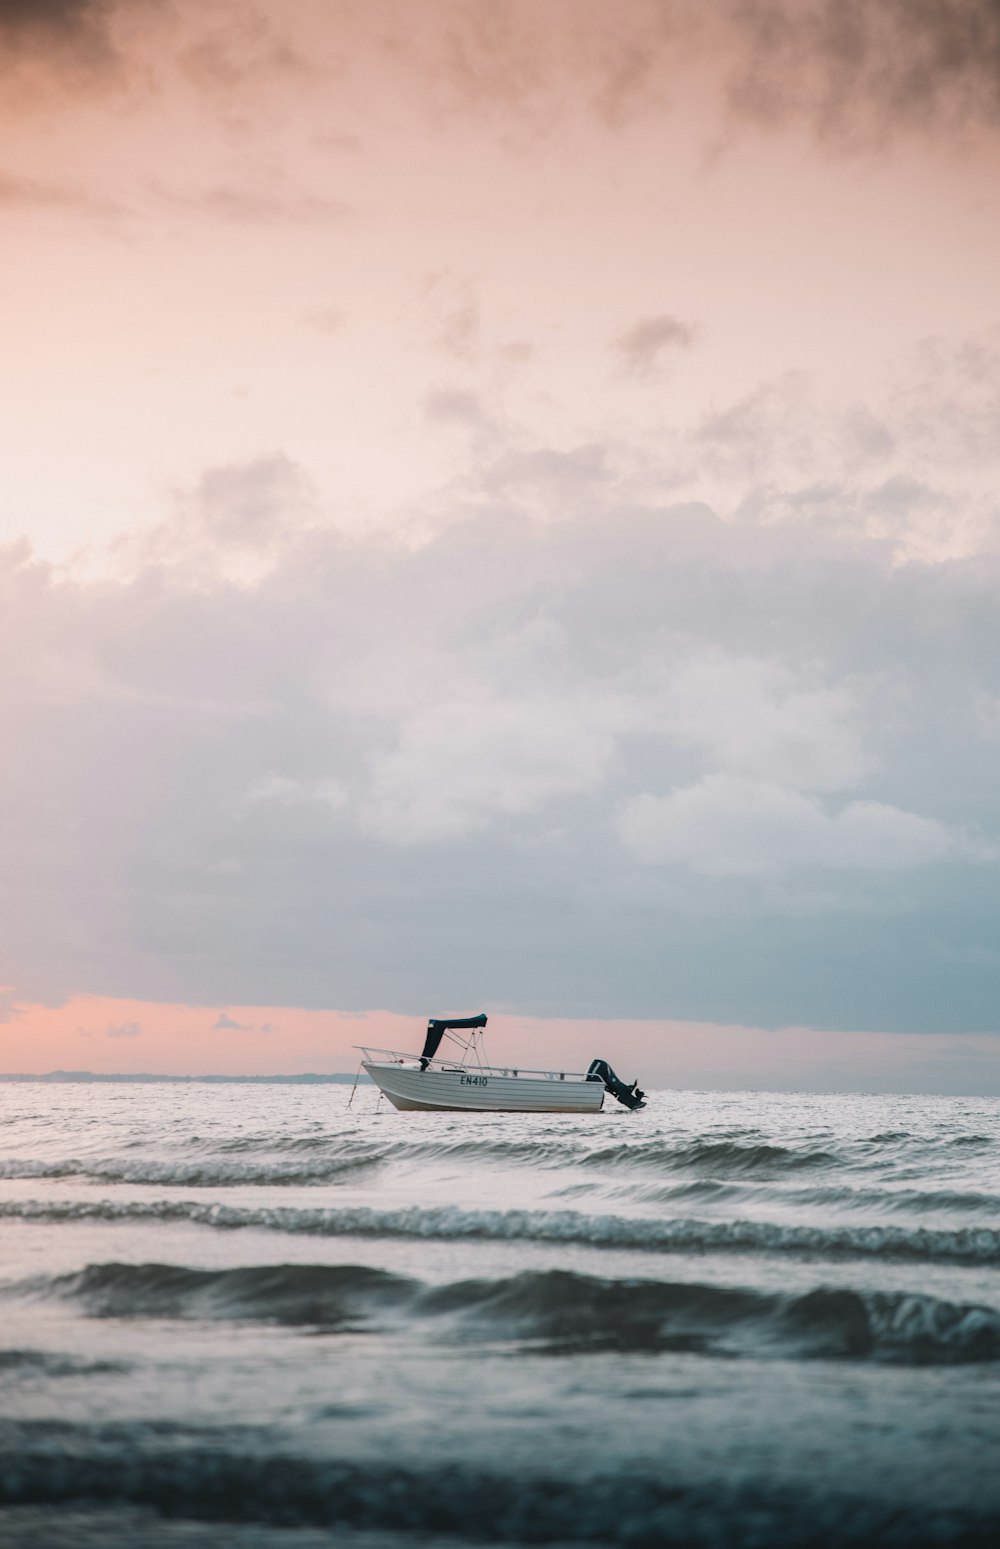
(499,511)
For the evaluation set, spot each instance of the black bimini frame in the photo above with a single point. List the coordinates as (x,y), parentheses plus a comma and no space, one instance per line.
(436,1029)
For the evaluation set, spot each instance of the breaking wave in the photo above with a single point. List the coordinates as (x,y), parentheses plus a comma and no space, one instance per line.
(331,1296)
(327,1157)
(46,1363)
(201,1173)
(718,1158)
(890,1201)
(559,1310)
(958,1245)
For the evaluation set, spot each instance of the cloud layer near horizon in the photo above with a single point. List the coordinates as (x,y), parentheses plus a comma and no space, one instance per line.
(623,758)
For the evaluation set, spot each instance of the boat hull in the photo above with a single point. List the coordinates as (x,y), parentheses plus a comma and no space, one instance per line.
(466,1091)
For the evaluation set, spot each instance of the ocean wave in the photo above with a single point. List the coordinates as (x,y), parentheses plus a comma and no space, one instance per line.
(269,1164)
(48,1363)
(753,1156)
(266,1141)
(888,1201)
(901,1201)
(202,1173)
(569,1313)
(958,1245)
(328,1157)
(331,1296)
(352,1148)
(715,1158)
(559,1310)
(233,1475)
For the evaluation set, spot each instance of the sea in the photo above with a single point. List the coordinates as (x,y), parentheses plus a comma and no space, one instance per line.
(283,1317)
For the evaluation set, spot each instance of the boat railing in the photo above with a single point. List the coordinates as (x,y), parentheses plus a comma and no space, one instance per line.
(402,1057)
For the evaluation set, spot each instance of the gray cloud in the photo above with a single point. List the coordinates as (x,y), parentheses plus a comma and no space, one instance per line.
(225,1023)
(75,39)
(853,74)
(325,319)
(25,193)
(726,826)
(915,467)
(580,749)
(9,1009)
(642,346)
(573,753)
(247,503)
(457,321)
(452,405)
(74,19)
(242,205)
(225,53)
(227,60)
(123,1030)
(857,72)
(247,511)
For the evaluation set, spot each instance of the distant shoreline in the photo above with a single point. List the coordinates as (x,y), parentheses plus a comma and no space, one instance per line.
(84,1077)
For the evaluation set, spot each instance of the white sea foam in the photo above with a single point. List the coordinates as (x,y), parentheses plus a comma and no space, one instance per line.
(960,1245)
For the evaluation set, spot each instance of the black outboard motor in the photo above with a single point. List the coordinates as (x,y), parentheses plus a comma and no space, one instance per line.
(631,1096)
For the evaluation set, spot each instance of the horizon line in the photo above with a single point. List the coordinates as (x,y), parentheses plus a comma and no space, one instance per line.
(151,1075)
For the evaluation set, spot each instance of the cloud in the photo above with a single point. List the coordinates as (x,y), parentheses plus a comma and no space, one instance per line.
(761,718)
(325,319)
(243,513)
(643,345)
(244,205)
(460,765)
(225,1023)
(80,25)
(123,1030)
(25,194)
(9,1009)
(453,315)
(857,73)
(247,503)
(573,748)
(73,46)
(724,826)
(226,55)
(226,60)
(458,330)
(852,75)
(552,482)
(913,467)
(280,791)
(454,406)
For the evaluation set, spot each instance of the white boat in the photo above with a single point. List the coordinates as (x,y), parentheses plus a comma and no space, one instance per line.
(464,1082)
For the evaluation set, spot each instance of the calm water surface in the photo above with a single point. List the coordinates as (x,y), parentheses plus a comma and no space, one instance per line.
(250,1316)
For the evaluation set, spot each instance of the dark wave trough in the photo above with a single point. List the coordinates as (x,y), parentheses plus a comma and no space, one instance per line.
(227,1475)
